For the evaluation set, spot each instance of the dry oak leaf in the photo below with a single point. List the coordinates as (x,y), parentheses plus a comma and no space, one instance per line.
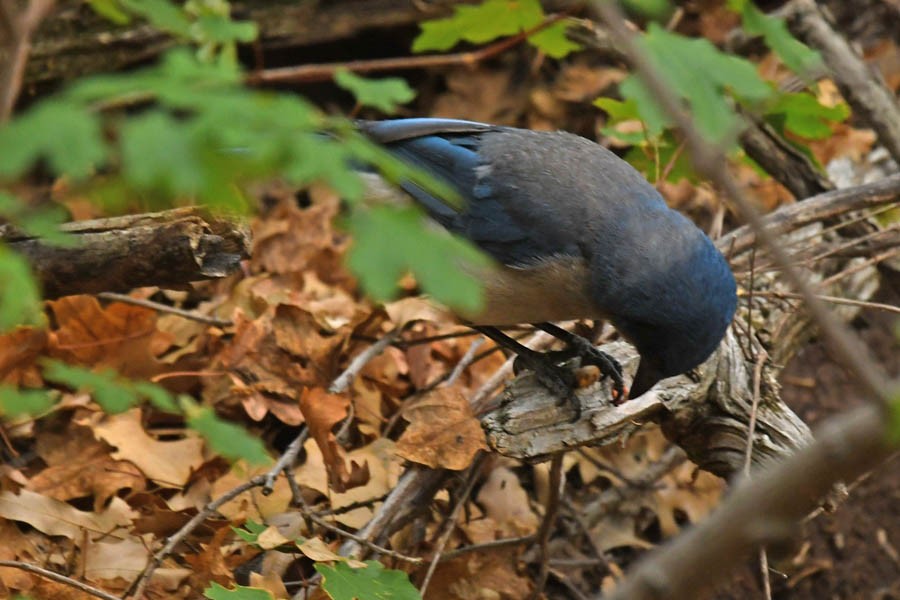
(478,576)
(119,336)
(168,464)
(209,564)
(383,468)
(443,431)
(322,412)
(108,560)
(506,502)
(58,518)
(19,349)
(94,472)
(292,240)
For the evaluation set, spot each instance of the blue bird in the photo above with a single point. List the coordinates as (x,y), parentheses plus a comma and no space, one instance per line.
(578,234)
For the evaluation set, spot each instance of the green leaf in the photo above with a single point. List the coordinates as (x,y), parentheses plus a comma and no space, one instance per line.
(620,112)
(217,592)
(111,10)
(222,30)
(162,14)
(113,394)
(66,135)
(389,241)
(384,94)
(702,75)
(159,152)
(157,395)
(226,438)
(40,222)
(798,57)
(553,42)
(894,420)
(20,298)
(15,402)
(658,10)
(251,530)
(374,582)
(478,24)
(802,114)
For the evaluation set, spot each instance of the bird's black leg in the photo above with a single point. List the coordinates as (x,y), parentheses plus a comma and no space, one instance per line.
(579,346)
(559,381)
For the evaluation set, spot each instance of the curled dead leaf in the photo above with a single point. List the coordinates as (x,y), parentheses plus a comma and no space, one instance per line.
(443,431)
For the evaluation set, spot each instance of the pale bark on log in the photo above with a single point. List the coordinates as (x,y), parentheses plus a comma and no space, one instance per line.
(166,249)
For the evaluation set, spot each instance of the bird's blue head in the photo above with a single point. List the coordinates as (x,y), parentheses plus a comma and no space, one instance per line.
(681,311)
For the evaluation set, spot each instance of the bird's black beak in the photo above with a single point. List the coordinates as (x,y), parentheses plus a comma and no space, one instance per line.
(645,378)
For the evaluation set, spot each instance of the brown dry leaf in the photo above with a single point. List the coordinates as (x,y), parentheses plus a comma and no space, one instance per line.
(271,537)
(107,560)
(687,491)
(583,81)
(263,376)
(58,518)
(168,464)
(292,240)
(209,565)
(271,583)
(367,404)
(323,411)
(478,576)
(417,308)
(480,94)
(19,349)
(317,550)
(118,336)
(79,465)
(252,504)
(617,531)
(384,471)
(506,503)
(443,431)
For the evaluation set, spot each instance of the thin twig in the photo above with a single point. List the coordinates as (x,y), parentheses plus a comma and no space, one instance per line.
(415,560)
(21,29)
(467,359)
(87,589)
(832,299)
(136,590)
(543,536)
(285,461)
(451,523)
(343,381)
(492,545)
(325,72)
(165,308)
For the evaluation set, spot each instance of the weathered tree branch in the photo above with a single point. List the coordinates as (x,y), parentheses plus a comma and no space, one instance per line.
(169,248)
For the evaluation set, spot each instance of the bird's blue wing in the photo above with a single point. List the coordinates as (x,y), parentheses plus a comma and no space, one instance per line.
(449,149)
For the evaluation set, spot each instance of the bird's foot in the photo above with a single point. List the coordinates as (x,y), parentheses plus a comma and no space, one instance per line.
(609,366)
(589,355)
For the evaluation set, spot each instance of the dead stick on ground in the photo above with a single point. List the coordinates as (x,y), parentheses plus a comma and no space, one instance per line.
(58,577)
(451,523)
(165,308)
(325,72)
(550,511)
